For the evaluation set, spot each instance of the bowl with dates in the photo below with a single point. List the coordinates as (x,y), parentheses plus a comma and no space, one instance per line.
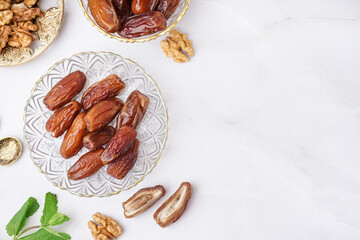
(95,124)
(134,20)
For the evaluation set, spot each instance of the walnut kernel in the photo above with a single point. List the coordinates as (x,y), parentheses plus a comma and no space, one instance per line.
(105,229)
(176,46)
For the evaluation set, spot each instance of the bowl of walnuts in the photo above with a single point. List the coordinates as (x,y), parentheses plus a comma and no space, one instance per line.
(134,20)
(27,29)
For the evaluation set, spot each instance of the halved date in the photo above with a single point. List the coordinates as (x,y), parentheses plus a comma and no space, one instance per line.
(122,8)
(104,14)
(143,6)
(62,118)
(142,200)
(102,114)
(94,140)
(65,90)
(99,91)
(174,207)
(119,144)
(167,7)
(87,165)
(121,166)
(143,24)
(133,110)
(73,140)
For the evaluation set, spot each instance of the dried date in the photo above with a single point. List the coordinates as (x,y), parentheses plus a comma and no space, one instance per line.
(99,91)
(65,90)
(142,200)
(143,6)
(133,110)
(122,8)
(73,140)
(102,114)
(62,118)
(87,165)
(94,140)
(167,7)
(105,15)
(143,24)
(119,144)
(172,209)
(121,166)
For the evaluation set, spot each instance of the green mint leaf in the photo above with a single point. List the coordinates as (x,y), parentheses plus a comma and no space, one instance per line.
(50,208)
(18,221)
(46,234)
(58,219)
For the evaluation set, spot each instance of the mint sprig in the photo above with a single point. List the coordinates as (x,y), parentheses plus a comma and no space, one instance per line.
(50,217)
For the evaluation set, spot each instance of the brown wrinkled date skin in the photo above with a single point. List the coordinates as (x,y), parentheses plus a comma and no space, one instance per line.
(65,90)
(121,166)
(102,114)
(119,144)
(143,24)
(122,8)
(167,7)
(87,165)
(143,6)
(73,140)
(133,110)
(142,200)
(105,15)
(94,140)
(62,118)
(99,91)
(174,207)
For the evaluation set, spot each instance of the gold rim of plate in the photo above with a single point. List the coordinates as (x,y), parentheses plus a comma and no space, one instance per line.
(161,149)
(49,27)
(130,40)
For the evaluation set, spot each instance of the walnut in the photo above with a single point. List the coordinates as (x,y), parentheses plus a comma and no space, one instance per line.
(4,36)
(176,46)
(27,26)
(30,3)
(5,17)
(20,38)
(4,5)
(23,13)
(105,229)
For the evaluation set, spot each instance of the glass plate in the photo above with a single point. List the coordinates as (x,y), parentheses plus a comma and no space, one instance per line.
(44,149)
(171,22)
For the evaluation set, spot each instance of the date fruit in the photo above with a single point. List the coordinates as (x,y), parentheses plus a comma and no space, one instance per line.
(167,7)
(99,91)
(102,114)
(133,110)
(94,140)
(65,90)
(121,166)
(87,165)
(62,118)
(105,15)
(174,207)
(73,140)
(119,144)
(122,8)
(143,6)
(143,24)
(142,200)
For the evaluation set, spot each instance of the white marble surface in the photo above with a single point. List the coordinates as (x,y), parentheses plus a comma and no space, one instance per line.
(264,122)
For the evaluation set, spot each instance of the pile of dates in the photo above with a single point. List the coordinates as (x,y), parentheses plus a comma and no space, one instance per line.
(131,19)
(87,124)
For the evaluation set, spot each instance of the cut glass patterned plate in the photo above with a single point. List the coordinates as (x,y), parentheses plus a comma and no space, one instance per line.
(44,149)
